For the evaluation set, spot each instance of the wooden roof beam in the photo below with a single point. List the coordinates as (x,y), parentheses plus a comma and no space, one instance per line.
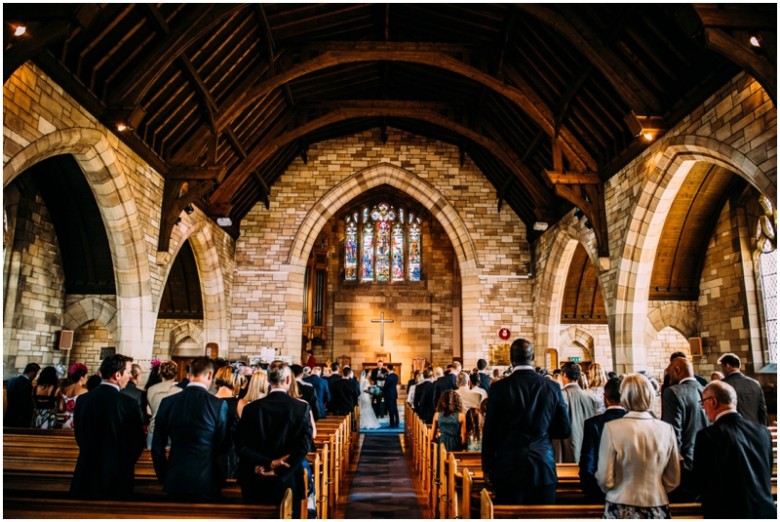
(411,110)
(174,202)
(741,54)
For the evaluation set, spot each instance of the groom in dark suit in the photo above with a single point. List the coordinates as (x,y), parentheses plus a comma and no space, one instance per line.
(524,412)
(274,436)
(390,391)
(109,431)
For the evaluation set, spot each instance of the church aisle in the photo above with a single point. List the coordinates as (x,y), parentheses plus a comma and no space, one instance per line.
(382,486)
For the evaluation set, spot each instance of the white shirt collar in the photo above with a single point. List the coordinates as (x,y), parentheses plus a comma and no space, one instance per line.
(277,390)
(686,379)
(723,413)
(522,367)
(615,408)
(115,386)
(194,383)
(571,384)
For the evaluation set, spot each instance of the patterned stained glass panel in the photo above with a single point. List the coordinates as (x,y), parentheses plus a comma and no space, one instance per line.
(367,252)
(382,250)
(414,252)
(768,269)
(398,252)
(351,253)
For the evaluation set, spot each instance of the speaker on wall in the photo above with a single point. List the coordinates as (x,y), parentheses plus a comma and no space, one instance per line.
(65,341)
(696,345)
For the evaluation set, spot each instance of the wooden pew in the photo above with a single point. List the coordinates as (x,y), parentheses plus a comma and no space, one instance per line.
(490,510)
(22,507)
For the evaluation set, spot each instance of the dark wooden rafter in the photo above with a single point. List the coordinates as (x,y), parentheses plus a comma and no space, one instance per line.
(593,47)
(410,110)
(429,54)
(198,22)
(199,182)
(530,151)
(586,191)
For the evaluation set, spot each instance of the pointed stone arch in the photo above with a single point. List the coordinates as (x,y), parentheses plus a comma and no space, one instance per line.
(91,308)
(680,315)
(665,176)
(110,186)
(184,330)
(578,336)
(198,230)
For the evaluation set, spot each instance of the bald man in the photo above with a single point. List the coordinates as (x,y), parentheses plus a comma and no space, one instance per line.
(681,409)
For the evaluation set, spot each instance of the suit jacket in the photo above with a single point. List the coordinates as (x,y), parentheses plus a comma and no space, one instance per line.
(109,432)
(751,402)
(322,389)
(137,394)
(581,406)
(524,412)
(732,466)
(378,375)
(423,401)
(309,394)
(270,428)
(197,424)
(21,406)
(441,385)
(390,390)
(638,460)
(484,381)
(682,410)
(589,455)
(343,397)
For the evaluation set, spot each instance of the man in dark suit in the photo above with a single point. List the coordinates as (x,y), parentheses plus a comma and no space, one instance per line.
(320,386)
(19,393)
(682,410)
(751,402)
(197,425)
(423,398)
(379,373)
(444,381)
(484,378)
(390,391)
(591,439)
(343,397)
(306,390)
(109,432)
(732,460)
(524,412)
(274,436)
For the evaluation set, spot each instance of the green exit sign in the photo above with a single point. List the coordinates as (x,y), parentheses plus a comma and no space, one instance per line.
(575,359)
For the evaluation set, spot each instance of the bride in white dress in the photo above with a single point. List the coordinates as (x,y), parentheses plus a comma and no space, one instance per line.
(368,420)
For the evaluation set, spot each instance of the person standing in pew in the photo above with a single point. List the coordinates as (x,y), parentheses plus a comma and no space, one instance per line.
(639,463)
(21,406)
(524,411)
(591,439)
(343,396)
(274,436)
(423,397)
(108,428)
(197,424)
(732,460)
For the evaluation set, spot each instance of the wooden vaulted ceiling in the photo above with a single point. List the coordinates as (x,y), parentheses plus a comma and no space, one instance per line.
(221,98)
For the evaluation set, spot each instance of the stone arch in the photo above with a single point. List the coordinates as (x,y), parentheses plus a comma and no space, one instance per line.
(199,232)
(91,308)
(577,335)
(680,315)
(665,176)
(186,330)
(425,194)
(110,186)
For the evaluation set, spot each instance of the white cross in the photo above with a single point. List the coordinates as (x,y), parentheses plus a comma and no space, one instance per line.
(382,322)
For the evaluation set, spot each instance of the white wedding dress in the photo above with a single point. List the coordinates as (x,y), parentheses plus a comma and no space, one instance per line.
(368,420)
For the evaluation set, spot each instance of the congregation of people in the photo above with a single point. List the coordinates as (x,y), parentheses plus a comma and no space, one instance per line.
(639,445)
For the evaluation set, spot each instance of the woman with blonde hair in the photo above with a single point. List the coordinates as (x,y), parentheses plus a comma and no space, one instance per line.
(258,388)
(449,423)
(228,382)
(597,378)
(639,463)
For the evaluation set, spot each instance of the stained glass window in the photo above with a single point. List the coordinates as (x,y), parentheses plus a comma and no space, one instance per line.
(382,245)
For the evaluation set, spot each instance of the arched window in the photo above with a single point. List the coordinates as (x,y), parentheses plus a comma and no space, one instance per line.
(382,244)
(766,250)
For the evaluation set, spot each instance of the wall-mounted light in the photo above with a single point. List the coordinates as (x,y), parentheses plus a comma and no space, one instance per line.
(755,41)
(648,127)
(189,209)
(541,226)
(224,221)
(20,30)
(122,127)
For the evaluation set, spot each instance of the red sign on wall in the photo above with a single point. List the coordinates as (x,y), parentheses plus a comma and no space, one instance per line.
(504,333)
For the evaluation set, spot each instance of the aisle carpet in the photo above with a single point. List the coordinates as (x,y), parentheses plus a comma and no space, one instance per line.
(382,486)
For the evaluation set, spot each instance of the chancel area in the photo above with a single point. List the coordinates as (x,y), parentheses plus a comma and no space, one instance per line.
(333,185)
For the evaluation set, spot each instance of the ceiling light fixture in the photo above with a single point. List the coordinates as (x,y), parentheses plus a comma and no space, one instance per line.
(755,41)
(648,136)
(224,221)
(541,226)
(122,127)
(20,30)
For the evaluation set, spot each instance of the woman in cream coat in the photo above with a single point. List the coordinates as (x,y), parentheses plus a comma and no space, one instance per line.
(638,459)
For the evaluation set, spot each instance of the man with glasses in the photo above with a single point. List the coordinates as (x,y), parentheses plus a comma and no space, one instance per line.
(732,460)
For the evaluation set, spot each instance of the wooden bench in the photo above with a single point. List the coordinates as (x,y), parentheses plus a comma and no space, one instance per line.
(490,510)
(26,507)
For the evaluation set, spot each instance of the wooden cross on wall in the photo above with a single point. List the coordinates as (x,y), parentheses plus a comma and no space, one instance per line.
(382,322)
